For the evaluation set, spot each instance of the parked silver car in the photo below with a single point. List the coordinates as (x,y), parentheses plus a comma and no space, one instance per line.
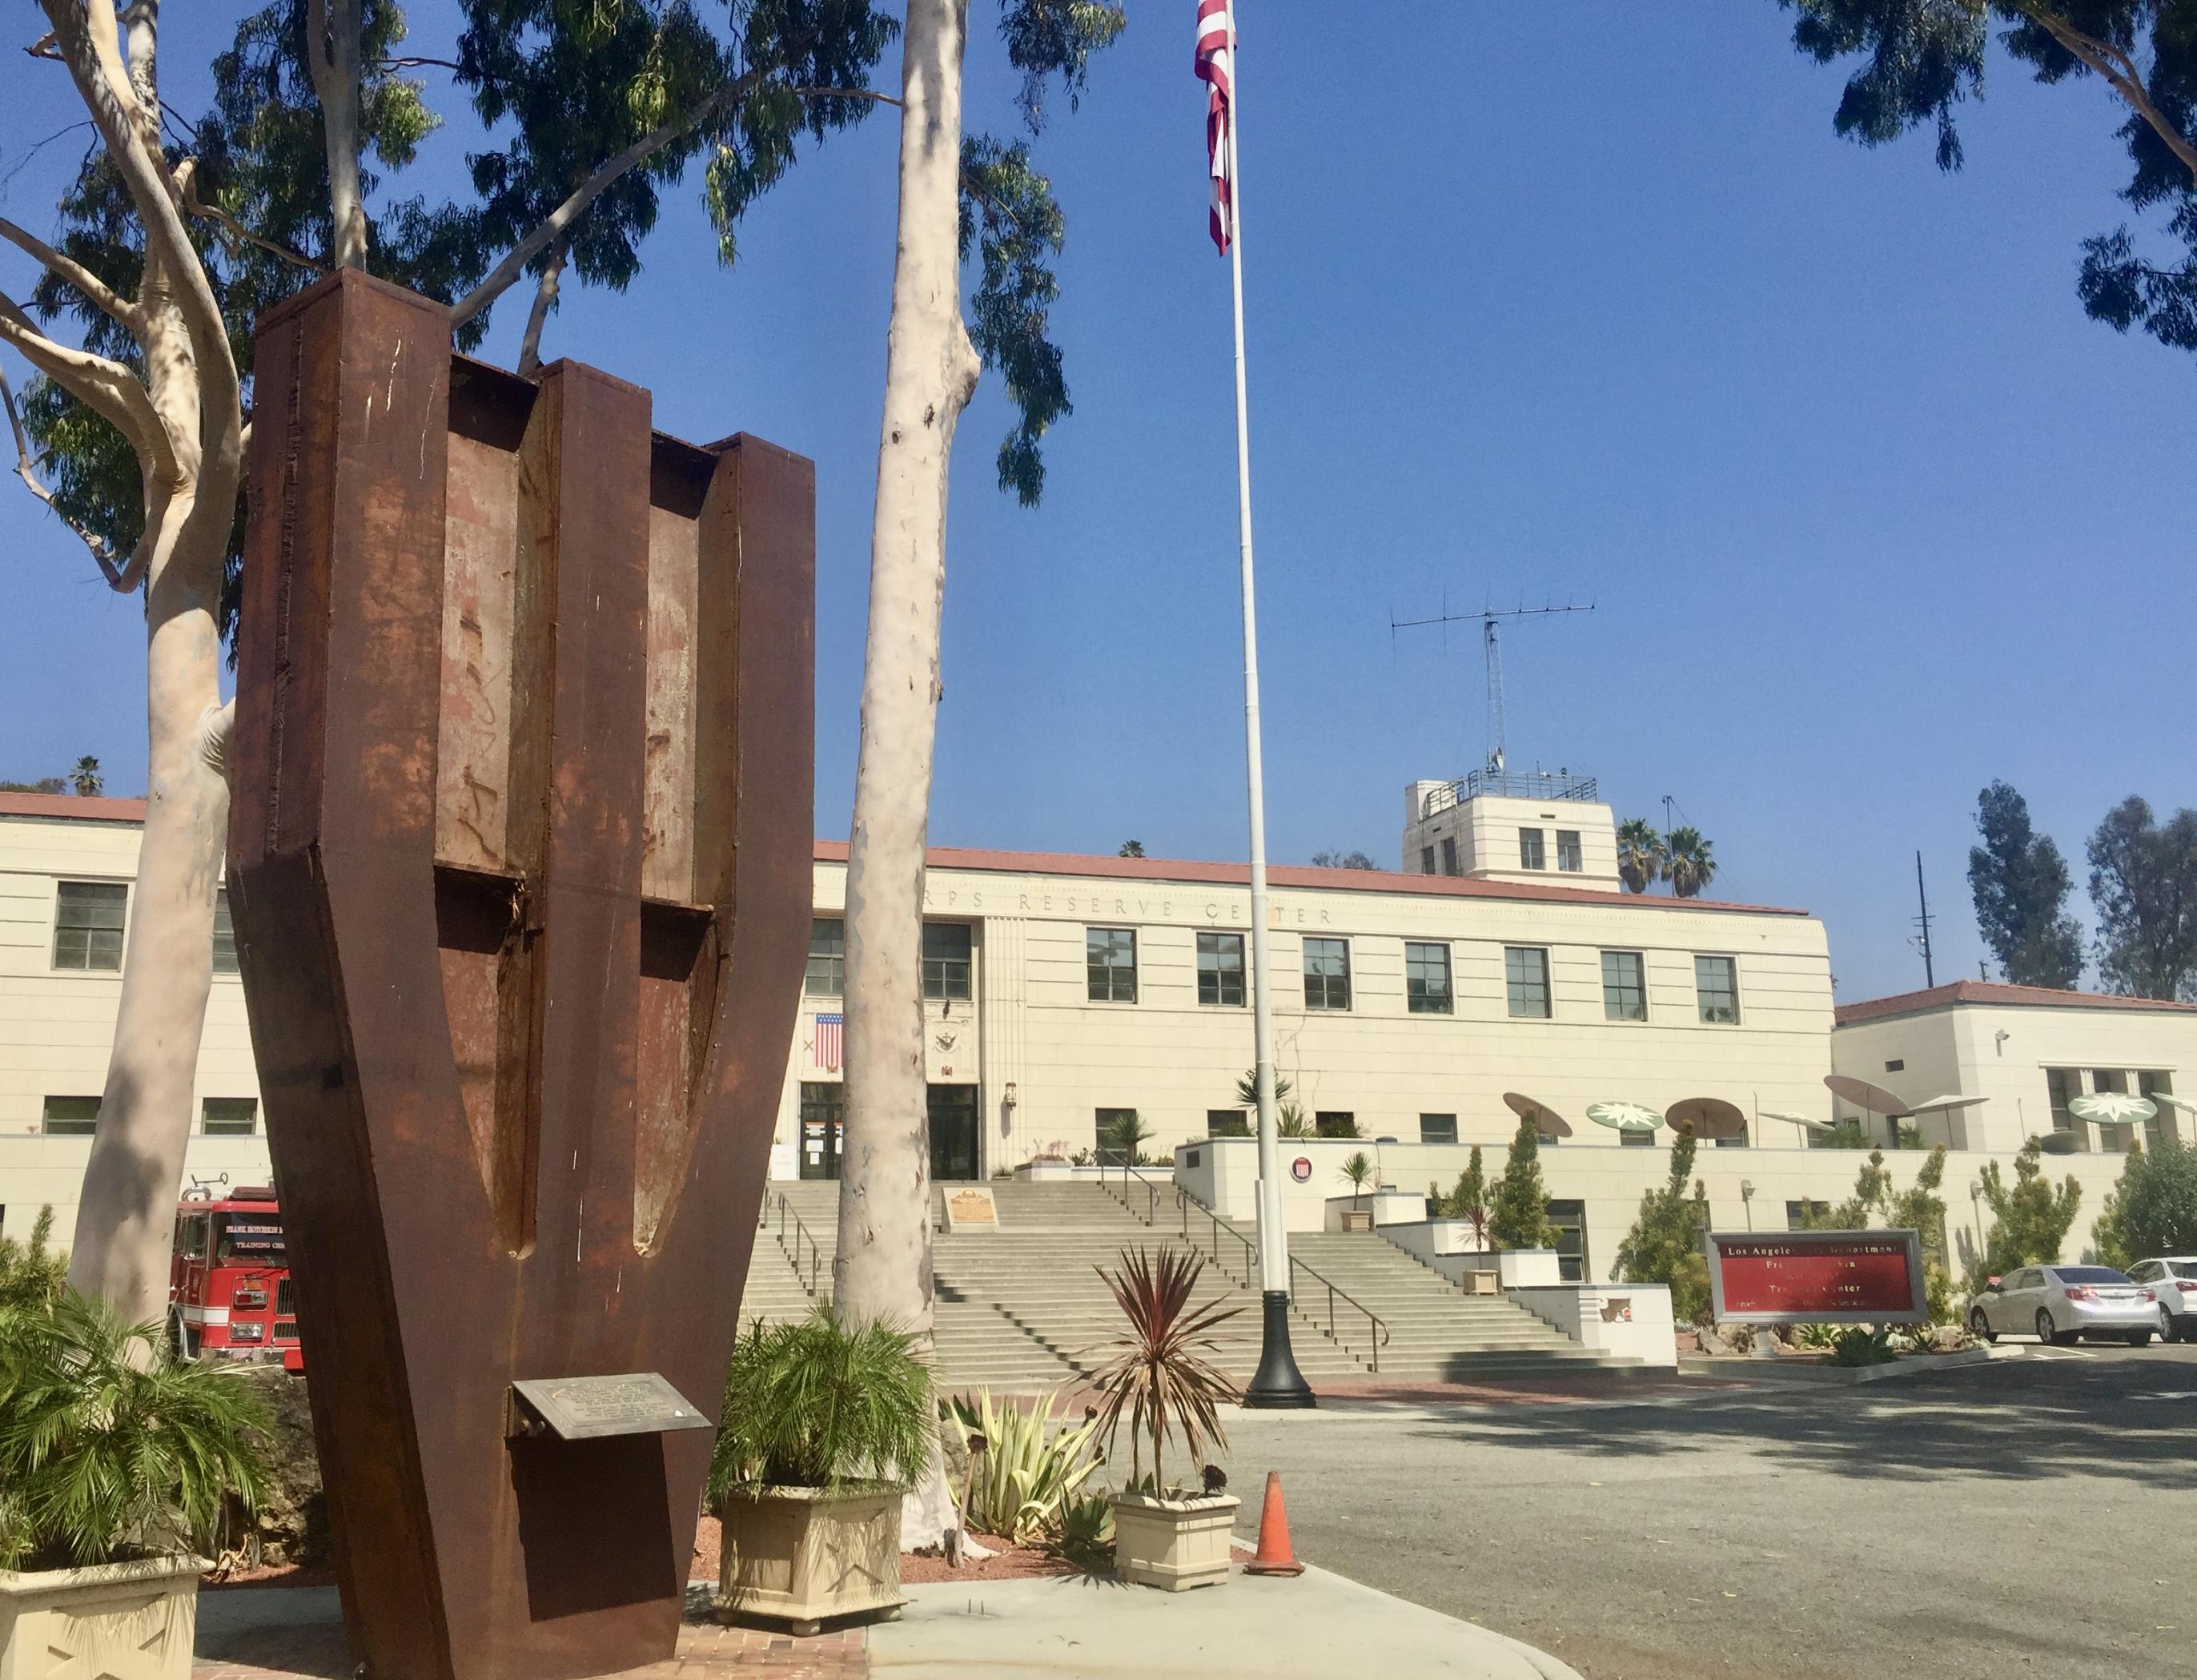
(2173,1281)
(2064,1303)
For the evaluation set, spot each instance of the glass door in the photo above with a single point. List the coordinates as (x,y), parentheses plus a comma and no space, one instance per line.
(952,1132)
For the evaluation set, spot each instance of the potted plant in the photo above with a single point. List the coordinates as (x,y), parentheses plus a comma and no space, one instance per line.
(826,1426)
(117,1461)
(1162,1381)
(1358,1167)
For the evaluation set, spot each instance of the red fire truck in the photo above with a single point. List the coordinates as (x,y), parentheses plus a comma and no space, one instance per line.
(229,1283)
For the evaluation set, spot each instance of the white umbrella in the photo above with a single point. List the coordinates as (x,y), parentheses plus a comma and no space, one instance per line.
(2187,1105)
(1954,1101)
(1799,1120)
(1624,1116)
(2112,1108)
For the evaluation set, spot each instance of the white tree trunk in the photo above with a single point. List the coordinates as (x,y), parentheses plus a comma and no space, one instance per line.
(882,1269)
(331,54)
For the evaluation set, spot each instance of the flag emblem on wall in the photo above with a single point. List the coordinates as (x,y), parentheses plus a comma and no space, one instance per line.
(831,1041)
(1216,69)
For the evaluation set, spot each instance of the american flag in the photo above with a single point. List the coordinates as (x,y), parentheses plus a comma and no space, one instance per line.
(1216,69)
(831,1039)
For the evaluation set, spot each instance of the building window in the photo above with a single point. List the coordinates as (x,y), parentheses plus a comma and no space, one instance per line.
(1896,1066)
(1336,1123)
(1532,853)
(1802,1215)
(827,958)
(224,934)
(1736,1141)
(1449,857)
(1220,970)
(945,959)
(1227,1123)
(70,1116)
(1636,1140)
(1426,978)
(1568,858)
(1526,972)
(88,925)
(2059,1084)
(1426,859)
(1327,973)
(2160,1126)
(1109,965)
(229,1117)
(1623,986)
(1437,1128)
(1117,1130)
(1569,1218)
(1716,984)
(2114,1080)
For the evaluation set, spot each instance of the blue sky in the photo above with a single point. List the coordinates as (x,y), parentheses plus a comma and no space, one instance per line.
(1568,303)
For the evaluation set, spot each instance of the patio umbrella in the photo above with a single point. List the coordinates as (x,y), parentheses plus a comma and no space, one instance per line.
(1954,1101)
(1874,1098)
(2060,1143)
(1799,1120)
(1706,1117)
(1624,1116)
(1546,1121)
(2112,1108)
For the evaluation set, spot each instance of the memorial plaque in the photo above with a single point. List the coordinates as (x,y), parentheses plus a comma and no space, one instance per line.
(520,856)
(972,1208)
(1816,1278)
(582,1408)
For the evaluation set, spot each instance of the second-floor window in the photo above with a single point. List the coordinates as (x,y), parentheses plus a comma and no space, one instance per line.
(827,958)
(1109,965)
(70,1116)
(1716,982)
(1449,857)
(88,925)
(224,934)
(1526,974)
(1220,969)
(1623,986)
(1426,979)
(945,959)
(1568,857)
(1327,973)
(229,1117)
(1532,849)
(1426,859)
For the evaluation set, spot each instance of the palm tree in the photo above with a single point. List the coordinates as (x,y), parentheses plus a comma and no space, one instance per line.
(89,782)
(1641,855)
(1132,849)
(1358,1169)
(1692,865)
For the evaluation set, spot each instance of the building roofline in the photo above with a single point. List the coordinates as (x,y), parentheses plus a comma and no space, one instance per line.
(1204,873)
(1994,993)
(71,808)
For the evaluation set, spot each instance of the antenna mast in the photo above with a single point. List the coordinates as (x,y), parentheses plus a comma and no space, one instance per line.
(1492,653)
(1922,942)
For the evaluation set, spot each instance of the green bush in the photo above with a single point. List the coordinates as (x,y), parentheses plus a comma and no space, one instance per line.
(2153,1210)
(1862,1345)
(32,1273)
(1518,1212)
(820,1404)
(2030,1221)
(1030,1470)
(1665,1243)
(110,1447)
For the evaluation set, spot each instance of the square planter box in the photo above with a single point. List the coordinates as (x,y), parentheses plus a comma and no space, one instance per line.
(119,1621)
(807,1555)
(1173,1543)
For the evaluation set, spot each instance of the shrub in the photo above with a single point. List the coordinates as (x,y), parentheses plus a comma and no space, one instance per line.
(1029,1471)
(2029,1221)
(1160,1377)
(820,1403)
(110,1447)
(1665,1243)
(1468,1200)
(1862,1345)
(2153,1208)
(33,1274)
(1518,1215)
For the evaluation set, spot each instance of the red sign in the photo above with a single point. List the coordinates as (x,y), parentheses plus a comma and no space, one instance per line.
(1817,1276)
(1301,1169)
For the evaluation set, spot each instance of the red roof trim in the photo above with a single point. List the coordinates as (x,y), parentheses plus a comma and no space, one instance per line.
(1290,875)
(2000,994)
(73,807)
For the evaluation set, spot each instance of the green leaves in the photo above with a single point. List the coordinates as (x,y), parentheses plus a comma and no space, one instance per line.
(1011,219)
(820,1403)
(1518,1215)
(2019,884)
(2030,1221)
(1160,1376)
(1030,1473)
(1056,37)
(1665,1243)
(2154,1210)
(2143,880)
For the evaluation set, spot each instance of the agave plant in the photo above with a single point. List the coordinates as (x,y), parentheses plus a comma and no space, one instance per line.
(1029,1474)
(1160,1376)
(818,1402)
(110,1447)
(1641,855)
(1691,865)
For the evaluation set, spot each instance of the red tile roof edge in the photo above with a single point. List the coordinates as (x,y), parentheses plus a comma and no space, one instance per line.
(1998,993)
(78,807)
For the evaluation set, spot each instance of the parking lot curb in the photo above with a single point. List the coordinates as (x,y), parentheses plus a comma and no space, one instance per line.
(1793,1370)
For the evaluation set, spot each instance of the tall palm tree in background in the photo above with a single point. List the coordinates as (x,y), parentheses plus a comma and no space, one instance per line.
(89,782)
(1691,865)
(1641,855)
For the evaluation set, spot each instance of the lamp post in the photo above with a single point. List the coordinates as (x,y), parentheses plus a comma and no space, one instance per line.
(1747,1196)
(1976,1214)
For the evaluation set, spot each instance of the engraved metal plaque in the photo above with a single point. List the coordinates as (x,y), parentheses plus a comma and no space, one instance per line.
(582,1408)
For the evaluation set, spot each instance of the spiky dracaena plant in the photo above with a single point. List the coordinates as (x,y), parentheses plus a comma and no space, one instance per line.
(1159,1376)
(110,1448)
(822,1403)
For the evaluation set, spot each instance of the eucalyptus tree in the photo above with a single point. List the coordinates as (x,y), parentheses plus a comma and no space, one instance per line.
(963,199)
(2020,883)
(1922,58)
(2143,883)
(175,236)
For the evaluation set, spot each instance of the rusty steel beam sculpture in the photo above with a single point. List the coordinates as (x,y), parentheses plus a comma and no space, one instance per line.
(520,859)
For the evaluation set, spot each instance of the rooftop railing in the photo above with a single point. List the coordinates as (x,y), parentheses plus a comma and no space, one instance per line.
(1509,784)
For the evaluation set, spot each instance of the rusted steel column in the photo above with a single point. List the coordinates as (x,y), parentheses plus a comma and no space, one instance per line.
(519,859)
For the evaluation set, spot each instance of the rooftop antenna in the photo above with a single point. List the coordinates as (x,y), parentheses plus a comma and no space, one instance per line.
(1491,652)
(1921,942)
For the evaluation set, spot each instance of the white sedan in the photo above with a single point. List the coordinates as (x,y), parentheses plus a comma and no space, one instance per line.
(2174,1282)
(2064,1303)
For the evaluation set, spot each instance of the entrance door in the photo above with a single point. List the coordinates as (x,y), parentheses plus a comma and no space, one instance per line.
(823,1115)
(952,1132)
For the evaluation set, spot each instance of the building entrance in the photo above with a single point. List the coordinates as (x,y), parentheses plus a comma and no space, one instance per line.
(952,1132)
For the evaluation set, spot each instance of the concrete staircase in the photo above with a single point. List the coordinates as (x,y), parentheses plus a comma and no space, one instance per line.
(1024,1307)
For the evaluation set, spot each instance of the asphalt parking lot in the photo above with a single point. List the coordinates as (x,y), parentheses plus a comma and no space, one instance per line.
(2036,1515)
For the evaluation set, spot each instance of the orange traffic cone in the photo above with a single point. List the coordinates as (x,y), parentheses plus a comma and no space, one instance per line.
(1274,1556)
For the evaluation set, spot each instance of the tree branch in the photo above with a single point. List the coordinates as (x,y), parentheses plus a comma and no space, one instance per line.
(122,579)
(545,297)
(850,93)
(503,277)
(235,230)
(2121,72)
(123,312)
(108,388)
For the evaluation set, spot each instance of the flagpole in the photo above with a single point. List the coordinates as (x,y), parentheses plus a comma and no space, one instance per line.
(1277,1383)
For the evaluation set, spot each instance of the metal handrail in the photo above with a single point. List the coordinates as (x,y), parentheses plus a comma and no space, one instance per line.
(1376,1329)
(1151,1213)
(799,1234)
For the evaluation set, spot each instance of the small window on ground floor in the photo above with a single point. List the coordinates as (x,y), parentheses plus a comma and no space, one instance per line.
(1802,1215)
(1636,1140)
(1437,1128)
(1569,1218)
(70,1116)
(1227,1123)
(229,1117)
(1336,1123)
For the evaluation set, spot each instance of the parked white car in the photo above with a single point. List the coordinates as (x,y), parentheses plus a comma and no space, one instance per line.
(2174,1282)
(2063,1303)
